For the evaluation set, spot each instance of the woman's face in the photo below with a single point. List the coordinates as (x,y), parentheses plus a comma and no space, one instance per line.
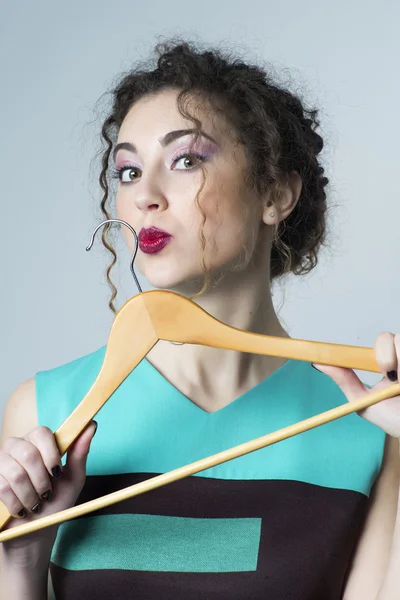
(159,177)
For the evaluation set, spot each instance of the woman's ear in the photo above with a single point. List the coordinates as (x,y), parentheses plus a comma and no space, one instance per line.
(279,207)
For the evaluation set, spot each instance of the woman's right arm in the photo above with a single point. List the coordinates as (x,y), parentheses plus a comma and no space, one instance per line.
(22,581)
(28,455)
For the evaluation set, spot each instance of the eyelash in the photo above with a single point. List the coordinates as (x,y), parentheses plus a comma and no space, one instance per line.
(117,173)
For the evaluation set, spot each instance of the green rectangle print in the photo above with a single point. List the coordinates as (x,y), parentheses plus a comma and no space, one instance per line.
(158,543)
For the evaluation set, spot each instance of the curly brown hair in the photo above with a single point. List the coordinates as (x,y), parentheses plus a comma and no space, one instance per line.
(277,130)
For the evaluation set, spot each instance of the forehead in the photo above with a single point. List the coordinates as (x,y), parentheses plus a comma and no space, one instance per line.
(159,113)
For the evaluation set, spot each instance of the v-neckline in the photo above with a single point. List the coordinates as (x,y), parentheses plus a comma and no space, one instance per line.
(264,382)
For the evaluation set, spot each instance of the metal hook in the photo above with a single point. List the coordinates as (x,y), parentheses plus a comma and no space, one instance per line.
(136,249)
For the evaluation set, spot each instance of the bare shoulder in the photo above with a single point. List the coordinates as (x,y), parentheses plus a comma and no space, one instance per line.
(20,413)
(372,554)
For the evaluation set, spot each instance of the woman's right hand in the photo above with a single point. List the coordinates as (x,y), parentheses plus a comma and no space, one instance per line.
(33,481)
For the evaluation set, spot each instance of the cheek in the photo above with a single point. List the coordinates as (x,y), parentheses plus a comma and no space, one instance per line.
(224,206)
(232,219)
(119,206)
(125,208)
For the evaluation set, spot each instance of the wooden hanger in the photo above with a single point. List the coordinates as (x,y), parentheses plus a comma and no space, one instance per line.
(164,315)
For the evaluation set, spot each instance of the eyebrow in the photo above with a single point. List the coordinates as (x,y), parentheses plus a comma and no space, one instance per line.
(168,138)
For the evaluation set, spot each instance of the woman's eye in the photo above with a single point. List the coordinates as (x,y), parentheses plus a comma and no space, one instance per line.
(130,174)
(127,174)
(187,161)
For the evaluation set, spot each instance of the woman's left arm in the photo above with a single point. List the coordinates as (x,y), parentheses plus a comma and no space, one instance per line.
(370,569)
(375,570)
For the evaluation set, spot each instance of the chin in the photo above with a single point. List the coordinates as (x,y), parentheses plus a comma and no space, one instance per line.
(179,282)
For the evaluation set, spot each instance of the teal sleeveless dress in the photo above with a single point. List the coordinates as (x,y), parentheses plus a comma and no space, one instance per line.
(279,523)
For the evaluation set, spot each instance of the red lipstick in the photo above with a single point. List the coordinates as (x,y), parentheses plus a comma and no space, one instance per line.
(153,240)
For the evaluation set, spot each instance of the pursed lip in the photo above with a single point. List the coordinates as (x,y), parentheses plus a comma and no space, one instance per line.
(152,240)
(151,234)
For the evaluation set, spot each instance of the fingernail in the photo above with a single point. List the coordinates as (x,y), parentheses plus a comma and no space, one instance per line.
(96,427)
(56,472)
(22,513)
(392,375)
(315,368)
(36,508)
(47,495)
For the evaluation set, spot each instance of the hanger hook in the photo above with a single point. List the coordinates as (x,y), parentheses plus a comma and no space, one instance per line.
(136,249)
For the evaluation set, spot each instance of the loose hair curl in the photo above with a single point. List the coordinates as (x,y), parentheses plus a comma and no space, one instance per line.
(277,130)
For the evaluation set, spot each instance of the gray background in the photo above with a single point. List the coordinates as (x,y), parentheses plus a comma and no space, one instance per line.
(56,61)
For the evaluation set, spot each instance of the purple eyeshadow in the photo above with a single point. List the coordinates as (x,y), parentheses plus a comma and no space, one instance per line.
(205,148)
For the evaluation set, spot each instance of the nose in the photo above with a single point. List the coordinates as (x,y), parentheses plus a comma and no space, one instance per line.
(149,196)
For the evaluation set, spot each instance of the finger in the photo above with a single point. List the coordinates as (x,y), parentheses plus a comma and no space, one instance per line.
(17,489)
(44,440)
(10,500)
(346,379)
(397,349)
(30,459)
(78,452)
(386,355)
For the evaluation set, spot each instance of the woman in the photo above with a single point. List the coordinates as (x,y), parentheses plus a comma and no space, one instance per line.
(217,167)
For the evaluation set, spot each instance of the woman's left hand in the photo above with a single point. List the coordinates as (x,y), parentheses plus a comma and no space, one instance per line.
(385,414)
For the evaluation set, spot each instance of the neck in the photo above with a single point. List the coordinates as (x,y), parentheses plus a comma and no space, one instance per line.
(242,300)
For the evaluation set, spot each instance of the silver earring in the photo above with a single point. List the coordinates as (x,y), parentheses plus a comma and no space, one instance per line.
(272,214)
